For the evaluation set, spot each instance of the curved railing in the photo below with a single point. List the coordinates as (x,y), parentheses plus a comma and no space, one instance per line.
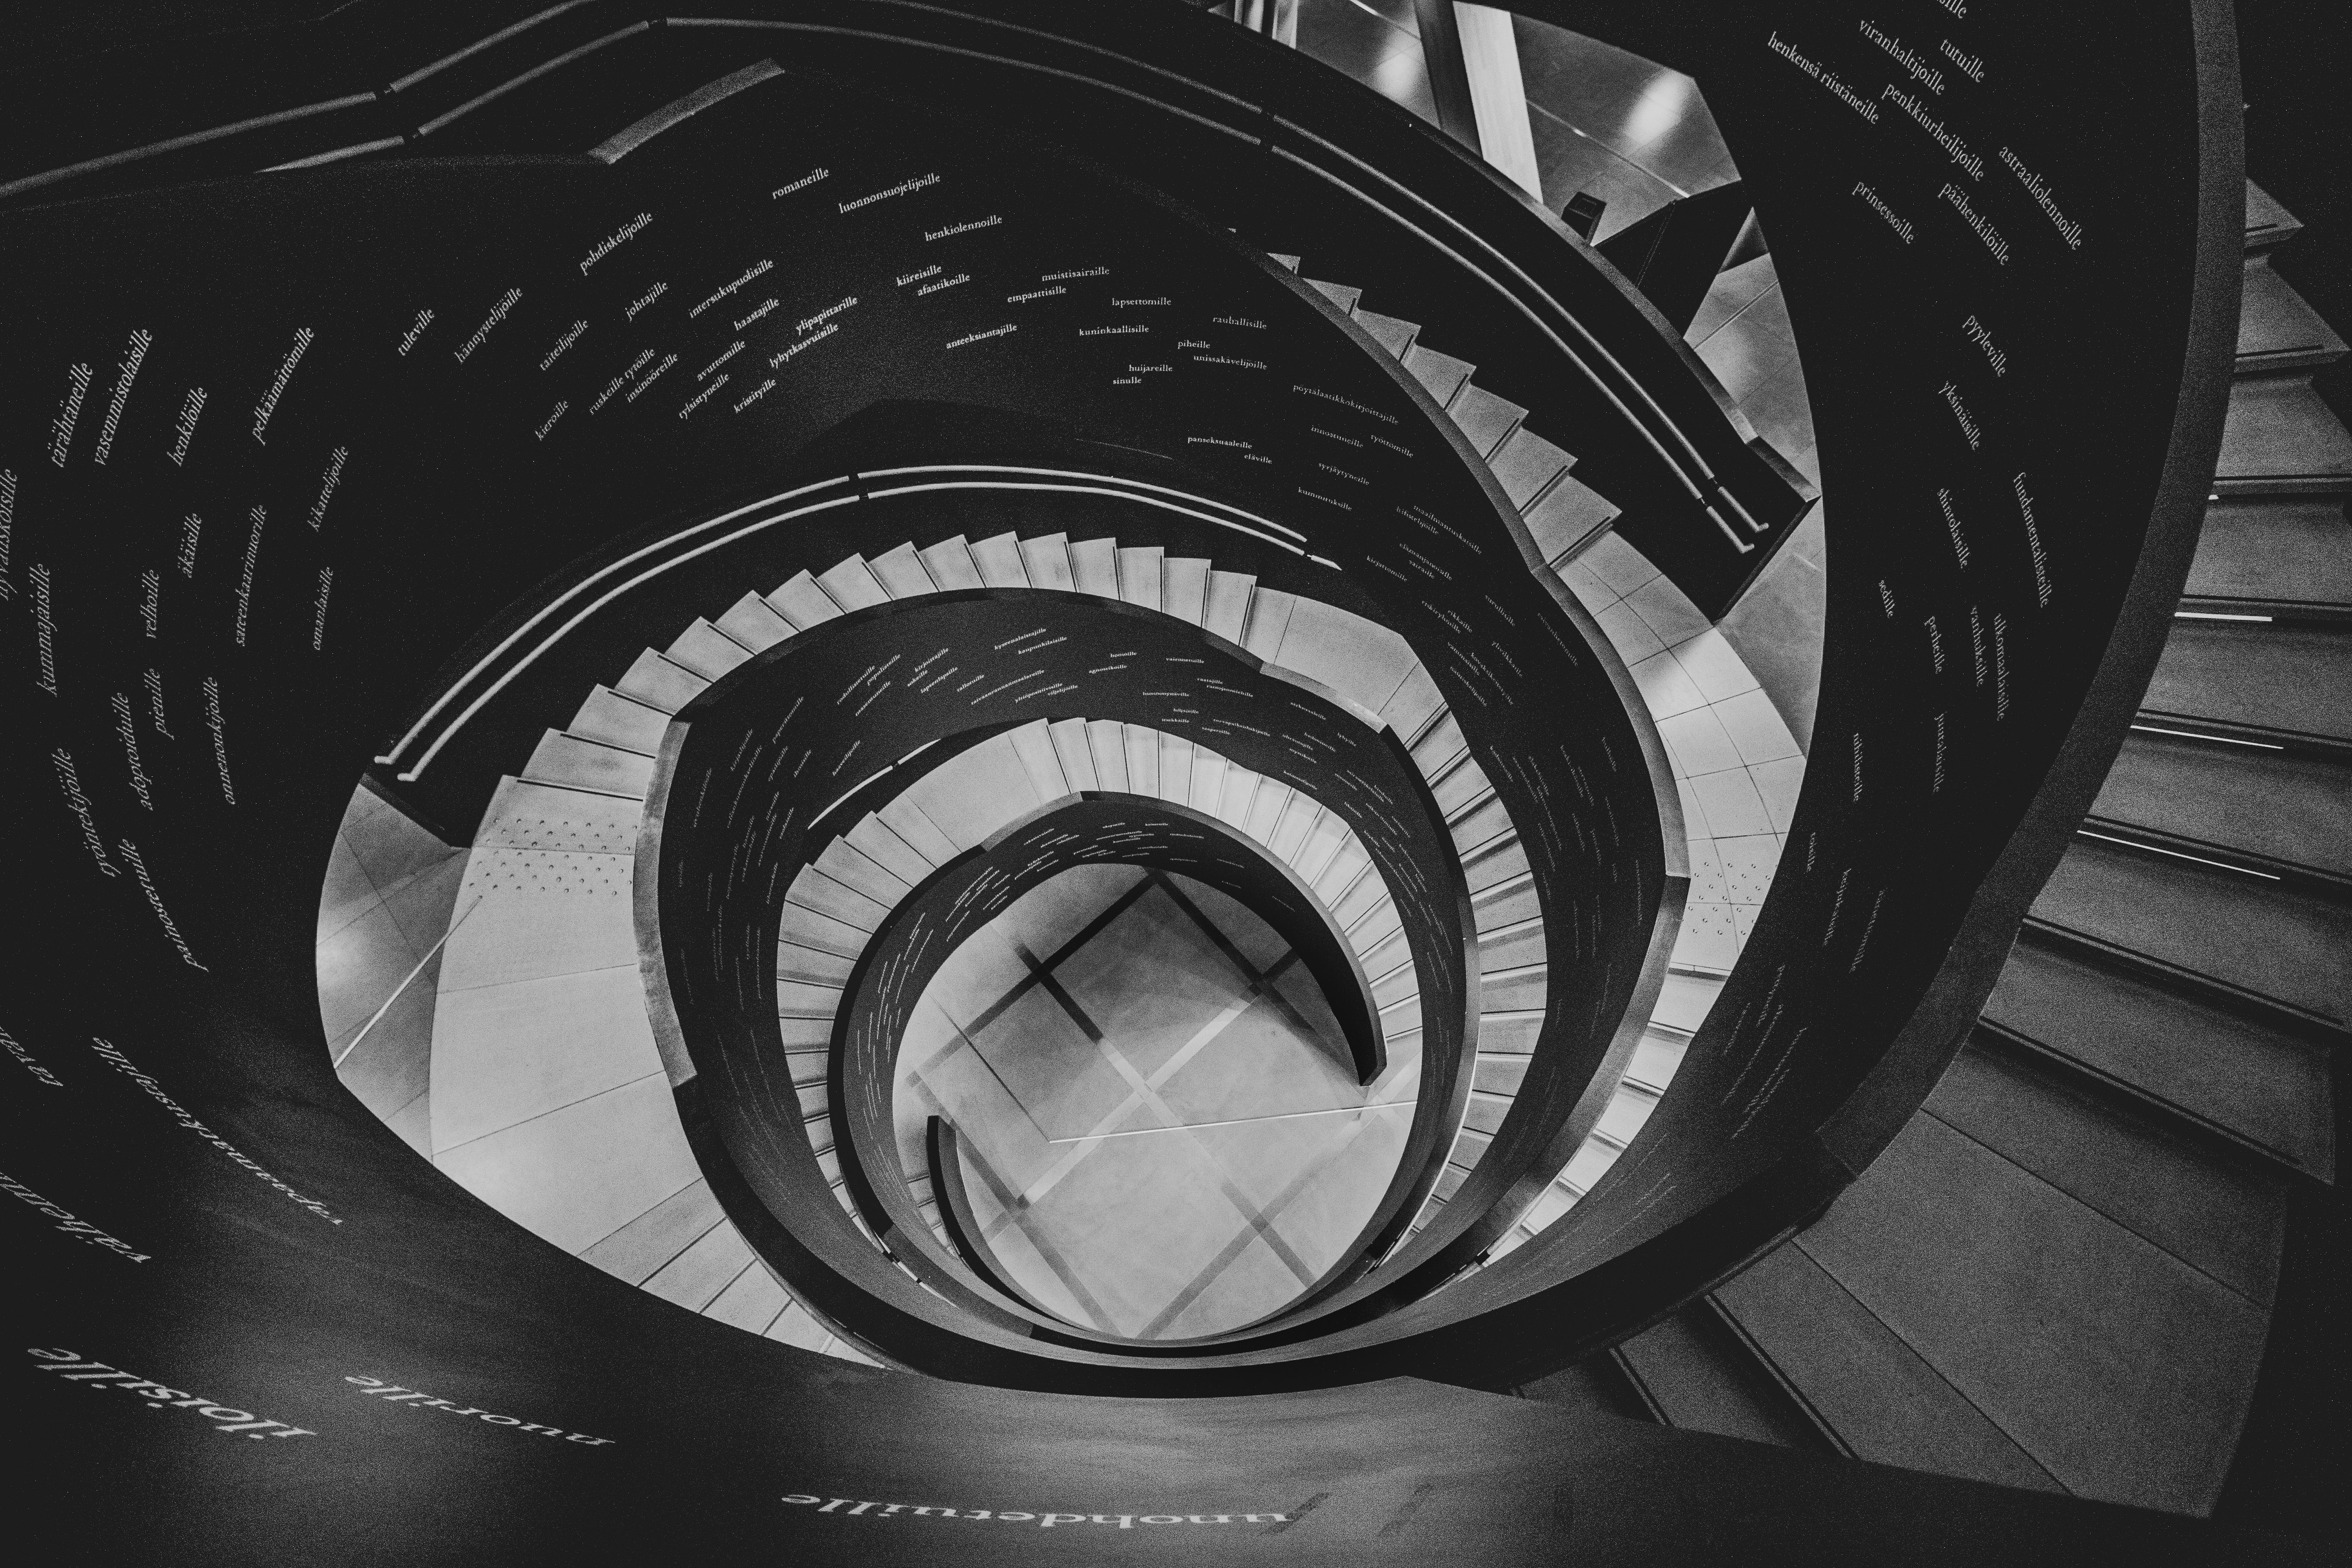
(1551,322)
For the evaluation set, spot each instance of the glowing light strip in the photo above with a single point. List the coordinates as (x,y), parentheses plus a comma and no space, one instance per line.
(2177,855)
(1094,490)
(400,989)
(450,730)
(1074,474)
(581,587)
(561,632)
(853,789)
(2195,735)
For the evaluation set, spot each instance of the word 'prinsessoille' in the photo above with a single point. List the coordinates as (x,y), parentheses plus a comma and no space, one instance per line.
(1042,1520)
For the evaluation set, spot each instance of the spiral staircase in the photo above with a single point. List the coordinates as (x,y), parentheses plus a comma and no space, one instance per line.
(1888,1149)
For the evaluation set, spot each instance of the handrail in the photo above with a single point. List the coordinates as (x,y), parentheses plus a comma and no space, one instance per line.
(1695,456)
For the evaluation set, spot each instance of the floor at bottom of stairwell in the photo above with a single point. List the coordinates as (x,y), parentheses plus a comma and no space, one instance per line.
(1082,1044)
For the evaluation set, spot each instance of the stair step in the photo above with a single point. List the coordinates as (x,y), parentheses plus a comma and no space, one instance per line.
(1184,587)
(1442,374)
(1139,575)
(658,683)
(1339,294)
(1569,517)
(1392,333)
(1486,419)
(950,564)
(1094,567)
(1527,464)
(904,818)
(2222,1215)
(612,719)
(860,873)
(881,844)
(2277,810)
(2257,940)
(2277,328)
(2283,681)
(811,965)
(2240,1076)
(2120,1369)
(2280,438)
(1520,990)
(998,560)
(1034,745)
(1225,609)
(2267,223)
(1068,739)
(706,650)
(574,763)
(805,927)
(1481,826)
(1268,621)
(851,583)
(1415,706)
(799,600)
(1694,1370)
(901,572)
(806,999)
(1498,1075)
(1461,787)
(1046,559)
(751,623)
(2275,551)
(1513,947)
(1883,1399)
(812,890)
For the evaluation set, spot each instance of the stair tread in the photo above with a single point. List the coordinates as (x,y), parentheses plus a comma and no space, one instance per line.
(2285,679)
(2263,1086)
(1340,294)
(2123,1370)
(2219,1216)
(2277,326)
(2286,810)
(1883,1399)
(2255,938)
(2279,432)
(2267,223)
(1392,333)
(2275,550)
(1442,374)
(1486,419)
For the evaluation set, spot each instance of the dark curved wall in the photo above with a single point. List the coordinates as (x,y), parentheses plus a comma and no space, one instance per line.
(236,1296)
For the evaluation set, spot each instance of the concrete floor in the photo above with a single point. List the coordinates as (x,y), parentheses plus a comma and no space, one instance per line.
(1082,1045)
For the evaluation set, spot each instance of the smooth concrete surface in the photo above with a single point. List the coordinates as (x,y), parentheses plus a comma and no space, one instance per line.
(508,975)
(1735,762)
(2119,1369)
(1087,1043)
(389,890)
(1619,127)
(1490,56)
(1742,333)
(1377,42)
